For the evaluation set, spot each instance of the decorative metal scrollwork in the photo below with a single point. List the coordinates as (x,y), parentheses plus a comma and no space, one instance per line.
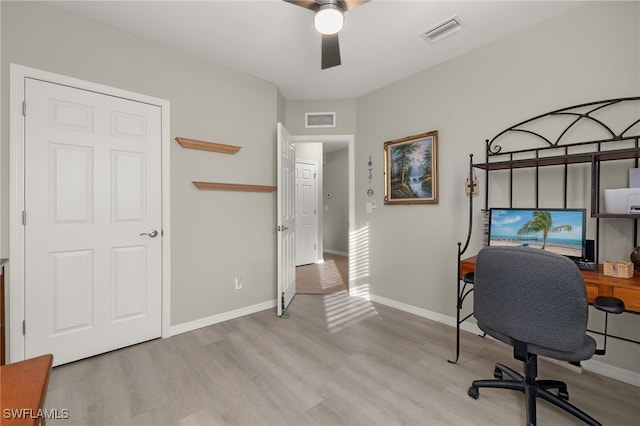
(579,114)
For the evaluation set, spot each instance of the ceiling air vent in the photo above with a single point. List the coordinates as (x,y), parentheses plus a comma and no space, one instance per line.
(442,30)
(320,119)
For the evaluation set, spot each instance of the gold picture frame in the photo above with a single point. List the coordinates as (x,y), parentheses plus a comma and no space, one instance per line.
(411,169)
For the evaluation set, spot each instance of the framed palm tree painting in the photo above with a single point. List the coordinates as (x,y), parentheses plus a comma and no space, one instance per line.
(411,169)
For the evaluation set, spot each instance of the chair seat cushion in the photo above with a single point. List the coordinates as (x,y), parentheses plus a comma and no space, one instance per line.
(585,352)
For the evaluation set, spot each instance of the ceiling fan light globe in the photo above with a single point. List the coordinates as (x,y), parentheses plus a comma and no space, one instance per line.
(328,19)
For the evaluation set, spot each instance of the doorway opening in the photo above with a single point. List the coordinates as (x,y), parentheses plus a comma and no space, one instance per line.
(334,208)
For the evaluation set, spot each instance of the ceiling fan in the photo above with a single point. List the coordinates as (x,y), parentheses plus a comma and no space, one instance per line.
(328,19)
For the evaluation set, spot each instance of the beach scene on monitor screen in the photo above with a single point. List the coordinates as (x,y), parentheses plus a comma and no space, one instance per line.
(558,231)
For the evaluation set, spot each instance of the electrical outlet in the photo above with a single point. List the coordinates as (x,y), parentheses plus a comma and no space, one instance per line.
(238,282)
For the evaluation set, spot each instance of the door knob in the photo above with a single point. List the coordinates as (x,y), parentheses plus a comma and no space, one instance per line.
(153,233)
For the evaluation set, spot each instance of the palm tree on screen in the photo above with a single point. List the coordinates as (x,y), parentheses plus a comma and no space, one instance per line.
(542,222)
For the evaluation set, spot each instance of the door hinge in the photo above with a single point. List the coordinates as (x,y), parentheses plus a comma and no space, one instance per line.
(24,328)
(315,175)
(24,217)
(24,108)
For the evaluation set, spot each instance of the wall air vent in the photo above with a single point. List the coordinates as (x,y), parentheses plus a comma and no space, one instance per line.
(319,119)
(442,30)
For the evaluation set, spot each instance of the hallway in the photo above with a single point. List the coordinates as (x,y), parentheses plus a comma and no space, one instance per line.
(332,276)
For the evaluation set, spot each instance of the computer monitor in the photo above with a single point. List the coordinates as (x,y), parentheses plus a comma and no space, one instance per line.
(561,231)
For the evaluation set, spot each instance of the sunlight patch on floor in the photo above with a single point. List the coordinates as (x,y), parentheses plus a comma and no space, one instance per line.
(348,308)
(330,275)
(343,310)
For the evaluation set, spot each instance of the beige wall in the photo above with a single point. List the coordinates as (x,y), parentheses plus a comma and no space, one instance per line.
(215,235)
(345,110)
(336,209)
(561,62)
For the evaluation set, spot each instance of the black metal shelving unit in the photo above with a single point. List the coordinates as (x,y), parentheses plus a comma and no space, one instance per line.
(561,149)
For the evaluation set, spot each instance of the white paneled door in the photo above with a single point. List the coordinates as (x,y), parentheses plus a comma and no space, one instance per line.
(286,285)
(306,213)
(92,222)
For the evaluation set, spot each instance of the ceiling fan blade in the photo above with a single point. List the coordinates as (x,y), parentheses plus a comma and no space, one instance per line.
(330,51)
(307,4)
(352,4)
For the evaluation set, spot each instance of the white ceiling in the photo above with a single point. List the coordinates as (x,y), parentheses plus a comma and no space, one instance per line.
(275,41)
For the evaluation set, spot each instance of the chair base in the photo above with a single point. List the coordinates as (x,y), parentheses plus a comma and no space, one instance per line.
(532,389)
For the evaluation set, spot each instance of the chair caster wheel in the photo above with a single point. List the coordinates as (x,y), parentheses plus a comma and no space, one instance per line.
(497,374)
(473,392)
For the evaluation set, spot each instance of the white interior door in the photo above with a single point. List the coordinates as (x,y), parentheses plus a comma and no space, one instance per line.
(306,212)
(93,268)
(286,286)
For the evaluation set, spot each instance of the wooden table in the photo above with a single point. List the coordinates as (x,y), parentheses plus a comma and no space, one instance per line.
(598,284)
(23,388)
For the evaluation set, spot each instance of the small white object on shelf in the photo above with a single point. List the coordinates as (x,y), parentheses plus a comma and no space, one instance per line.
(634,178)
(621,200)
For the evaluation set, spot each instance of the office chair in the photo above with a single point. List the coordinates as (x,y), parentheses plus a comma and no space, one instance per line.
(535,301)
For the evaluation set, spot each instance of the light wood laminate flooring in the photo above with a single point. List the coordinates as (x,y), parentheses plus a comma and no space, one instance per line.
(337,360)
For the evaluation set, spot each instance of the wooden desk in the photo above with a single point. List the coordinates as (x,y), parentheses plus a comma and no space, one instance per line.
(23,388)
(598,284)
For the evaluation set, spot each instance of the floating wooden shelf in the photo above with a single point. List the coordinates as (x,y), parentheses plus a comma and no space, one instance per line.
(216,186)
(207,146)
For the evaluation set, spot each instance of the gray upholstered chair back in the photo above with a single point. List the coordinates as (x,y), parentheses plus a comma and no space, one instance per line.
(532,296)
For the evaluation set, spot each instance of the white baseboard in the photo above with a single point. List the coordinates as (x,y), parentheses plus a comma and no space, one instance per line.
(612,372)
(575,368)
(225,316)
(598,367)
(424,313)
